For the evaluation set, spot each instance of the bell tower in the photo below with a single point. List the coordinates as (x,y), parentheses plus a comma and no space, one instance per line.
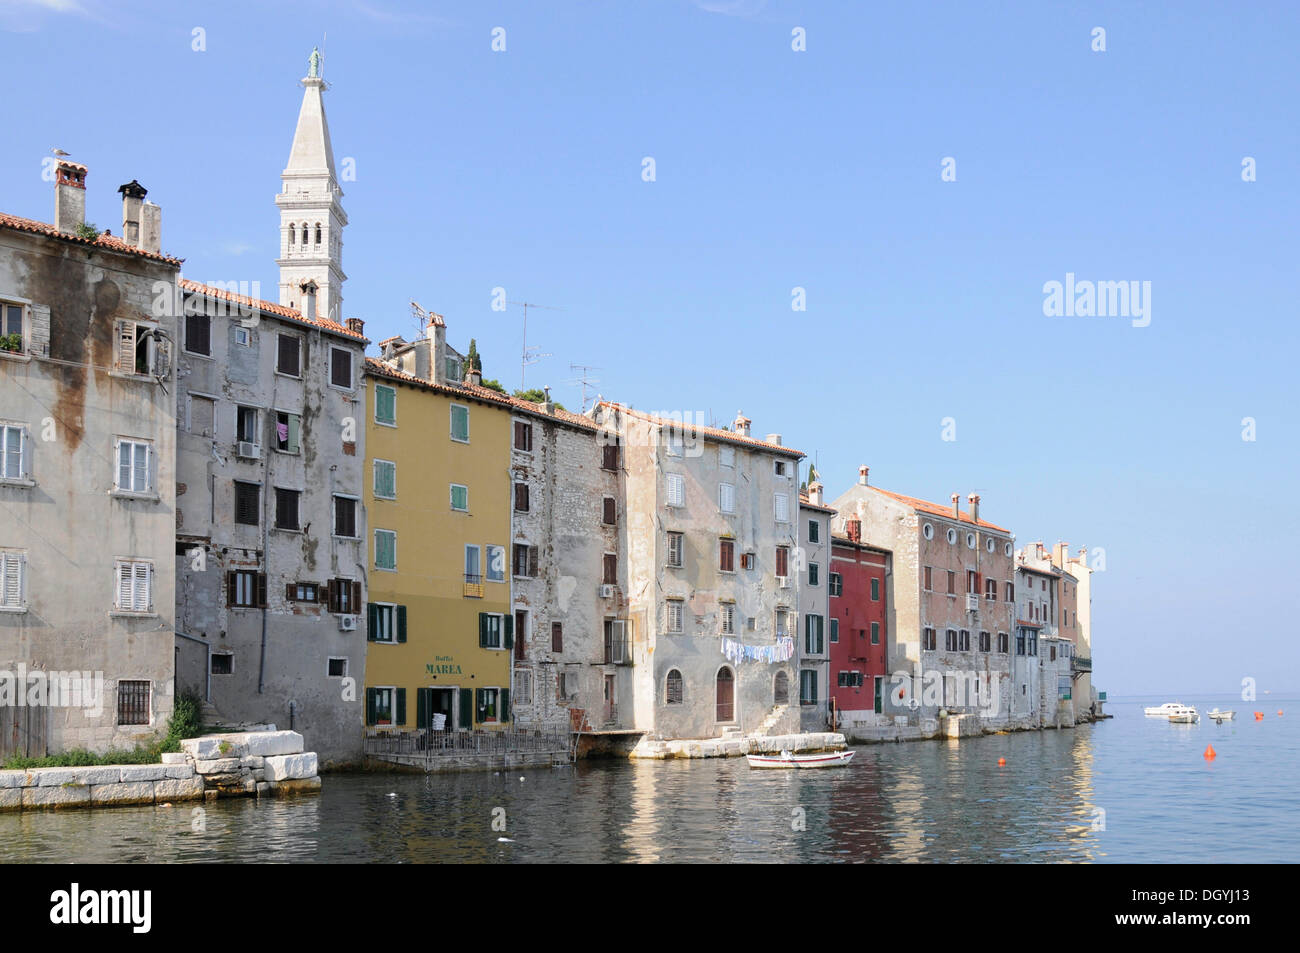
(311,215)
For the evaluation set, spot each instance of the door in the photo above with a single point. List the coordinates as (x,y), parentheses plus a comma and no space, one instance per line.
(880,683)
(611,700)
(726,695)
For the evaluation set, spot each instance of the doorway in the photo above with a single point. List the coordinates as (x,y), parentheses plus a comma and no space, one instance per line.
(726,695)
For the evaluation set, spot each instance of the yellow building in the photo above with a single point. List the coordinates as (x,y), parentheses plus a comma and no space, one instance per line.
(438,498)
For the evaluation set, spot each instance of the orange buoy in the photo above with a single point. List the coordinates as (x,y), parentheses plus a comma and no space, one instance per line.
(1210,753)
(1279,713)
(1259,716)
(1002,762)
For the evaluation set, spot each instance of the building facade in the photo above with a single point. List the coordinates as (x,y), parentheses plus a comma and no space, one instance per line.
(860,628)
(815,568)
(87,481)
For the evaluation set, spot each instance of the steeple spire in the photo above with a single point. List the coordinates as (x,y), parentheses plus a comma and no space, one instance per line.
(311,216)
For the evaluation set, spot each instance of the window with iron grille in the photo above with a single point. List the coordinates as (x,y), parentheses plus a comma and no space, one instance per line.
(223,663)
(133,706)
(673,689)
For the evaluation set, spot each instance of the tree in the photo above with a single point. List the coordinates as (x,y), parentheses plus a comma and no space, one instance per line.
(473,361)
(537,396)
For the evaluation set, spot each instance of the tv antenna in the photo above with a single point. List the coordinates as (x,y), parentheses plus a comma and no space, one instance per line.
(423,319)
(584,379)
(531,355)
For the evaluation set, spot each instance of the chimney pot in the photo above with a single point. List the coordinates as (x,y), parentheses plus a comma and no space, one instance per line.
(356,325)
(862,474)
(69,197)
(473,377)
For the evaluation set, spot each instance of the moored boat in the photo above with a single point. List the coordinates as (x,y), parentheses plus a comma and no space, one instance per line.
(1220,716)
(823,759)
(1165,710)
(1186,715)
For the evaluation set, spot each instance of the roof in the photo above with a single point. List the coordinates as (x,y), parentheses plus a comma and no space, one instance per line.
(1051,572)
(714,433)
(837,539)
(105,241)
(267,307)
(808,505)
(925,506)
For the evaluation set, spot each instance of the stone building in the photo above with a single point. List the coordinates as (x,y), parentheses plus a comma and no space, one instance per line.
(861,627)
(953,603)
(711,598)
(815,568)
(1078,628)
(87,457)
(271,535)
(1035,589)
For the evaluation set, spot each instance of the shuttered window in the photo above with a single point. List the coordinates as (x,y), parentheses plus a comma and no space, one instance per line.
(675,611)
(198,334)
(521,497)
(134,466)
(288,428)
(557,637)
(610,576)
(726,497)
(460,498)
(609,511)
(13,445)
(676,490)
(134,582)
(782,507)
(344,596)
(246,589)
(675,543)
(247,503)
(523,436)
(385,404)
(345,517)
(727,555)
(386,479)
(341,368)
(728,618)
(286,508)
(525,562)
(813,629)
(459,423)
(673,688)
(288,354)
(385,549)
(11,580)
(783,560)
(385,623)
(609,456)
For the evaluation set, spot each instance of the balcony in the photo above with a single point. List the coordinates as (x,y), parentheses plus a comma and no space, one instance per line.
(473,586)
(1080,663)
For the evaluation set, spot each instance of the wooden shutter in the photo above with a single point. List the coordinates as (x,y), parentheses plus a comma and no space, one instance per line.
(261,590)
(232,588)
(400,612)
(370,705)
(400,718)
(504,714)
(295,427)
(422,707)
(291,592)
(126,346)
(482,630)
(354,604)
(532,560)
(507,632)
(372,622)
(557,637)
(466,709)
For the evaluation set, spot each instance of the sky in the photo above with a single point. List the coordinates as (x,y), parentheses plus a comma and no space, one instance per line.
(921,171)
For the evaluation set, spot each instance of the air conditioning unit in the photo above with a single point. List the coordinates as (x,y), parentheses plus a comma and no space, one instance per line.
(347,623)
(972,602)
(783,582)
(606,591)
(249,451)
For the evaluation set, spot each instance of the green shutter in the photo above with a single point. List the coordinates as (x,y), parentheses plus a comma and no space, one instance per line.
(401,623)
(295,426)
(482,630)
(504,716)
(422,707)
(401,707)
(508,631)
(466,709)
(370,706)
(372,621)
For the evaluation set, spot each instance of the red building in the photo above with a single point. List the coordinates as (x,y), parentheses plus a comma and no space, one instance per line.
(858,637)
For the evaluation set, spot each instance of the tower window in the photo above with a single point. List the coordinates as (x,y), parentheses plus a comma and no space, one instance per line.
(318,233)
(293,232)
(304,233)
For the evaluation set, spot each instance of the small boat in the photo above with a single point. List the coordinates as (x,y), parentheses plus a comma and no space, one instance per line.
(1184,716)
(824,759)
(1165,710)
(1220,716)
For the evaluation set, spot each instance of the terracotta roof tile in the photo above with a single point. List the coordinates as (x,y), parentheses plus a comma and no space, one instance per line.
(110,242)
(268,307)
(808,505)
(925,506)
(715,433)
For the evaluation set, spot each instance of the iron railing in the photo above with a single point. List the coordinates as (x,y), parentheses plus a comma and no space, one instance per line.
(428,743)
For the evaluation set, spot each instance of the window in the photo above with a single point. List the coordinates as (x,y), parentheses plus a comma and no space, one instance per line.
(386,706)
(726,456)
(385,623)
(675,541)
(243,337)
(609,455)
(875,590)
(286,508)
(557,637)
(223,663)
(970,540)
(673,688)
(344,596)
(814,573)
(523,686)
(565,685)
(246,589)
(337,668)
(345,517)
(675,610)
(610,575)
(673,442)
(747,560)
(491,626)
(203,416)
(617,649)
(991,544)
(523,436)
(1020,644)
(496,564)
(783,561)
(807,687)
(198,334)
(928,640)
(985,642)
(963,640)
(1033,644)
(781,468)
(782,622)
(676,490)
(135,347)
(288,428)
(609,511)
(288,356)
(385,405)
(303,592)
(814,530)
(386,480)
(525,563)
(11,580)
(952,583)
(460,423)
(521,497)
(727,555)
(473,566)
(726,497)
(836,584)
(1003,640)
(134,466)
(928,584)
(13,444)
(950,640)
(133,703)
(246,425)
(927,531)
(385,549)
(247,503)
(782,507)
(972,581)
(952,537)
(728,618)
(460,498)
(341,368)
(813,641)
(11,322)
(991,590)
(134,583)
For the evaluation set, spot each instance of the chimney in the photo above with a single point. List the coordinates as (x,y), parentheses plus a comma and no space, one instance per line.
(547,405)
(862,475)
(853,529)
(741,424)
(356,325)
(473,377)
(133,194)
(956,506)
(774,438)
(69,196)
(1038,549)
(815,493)
(436,334)
(151,227)
(974,501)
(1060,555)
(309,300)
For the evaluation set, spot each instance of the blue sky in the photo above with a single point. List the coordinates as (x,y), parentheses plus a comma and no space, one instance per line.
(778,169)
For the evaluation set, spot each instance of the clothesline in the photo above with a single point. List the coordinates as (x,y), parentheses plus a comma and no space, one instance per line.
(782,651)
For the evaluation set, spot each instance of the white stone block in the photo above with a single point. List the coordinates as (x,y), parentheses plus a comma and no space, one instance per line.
(206,748)
(54,777)
(135,792)
(178,790)
(291,766)
(179,772)
(13,779)
(217,766)
(175,757)
(268,743)
(143,772)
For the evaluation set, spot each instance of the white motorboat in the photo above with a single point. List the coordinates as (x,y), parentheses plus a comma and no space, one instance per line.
(1165,710)
(1220,716)
(824,759)
(1185,716)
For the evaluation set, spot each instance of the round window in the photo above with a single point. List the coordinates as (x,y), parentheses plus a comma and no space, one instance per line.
(970,540)
(927,531)
(991,545)
(1007,549)
(952,536)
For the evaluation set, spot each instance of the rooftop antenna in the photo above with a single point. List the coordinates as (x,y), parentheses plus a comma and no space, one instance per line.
(585,380)
(531,355)
(421,319)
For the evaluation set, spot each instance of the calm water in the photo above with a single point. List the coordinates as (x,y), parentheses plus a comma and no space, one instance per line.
(926,801)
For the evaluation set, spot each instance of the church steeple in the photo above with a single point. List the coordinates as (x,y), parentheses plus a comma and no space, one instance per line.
(311,216)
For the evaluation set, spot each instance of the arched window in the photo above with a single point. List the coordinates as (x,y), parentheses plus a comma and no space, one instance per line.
(673,688)
(781,692)
(293,232)
(318,233)
(726,695)
(304,233)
